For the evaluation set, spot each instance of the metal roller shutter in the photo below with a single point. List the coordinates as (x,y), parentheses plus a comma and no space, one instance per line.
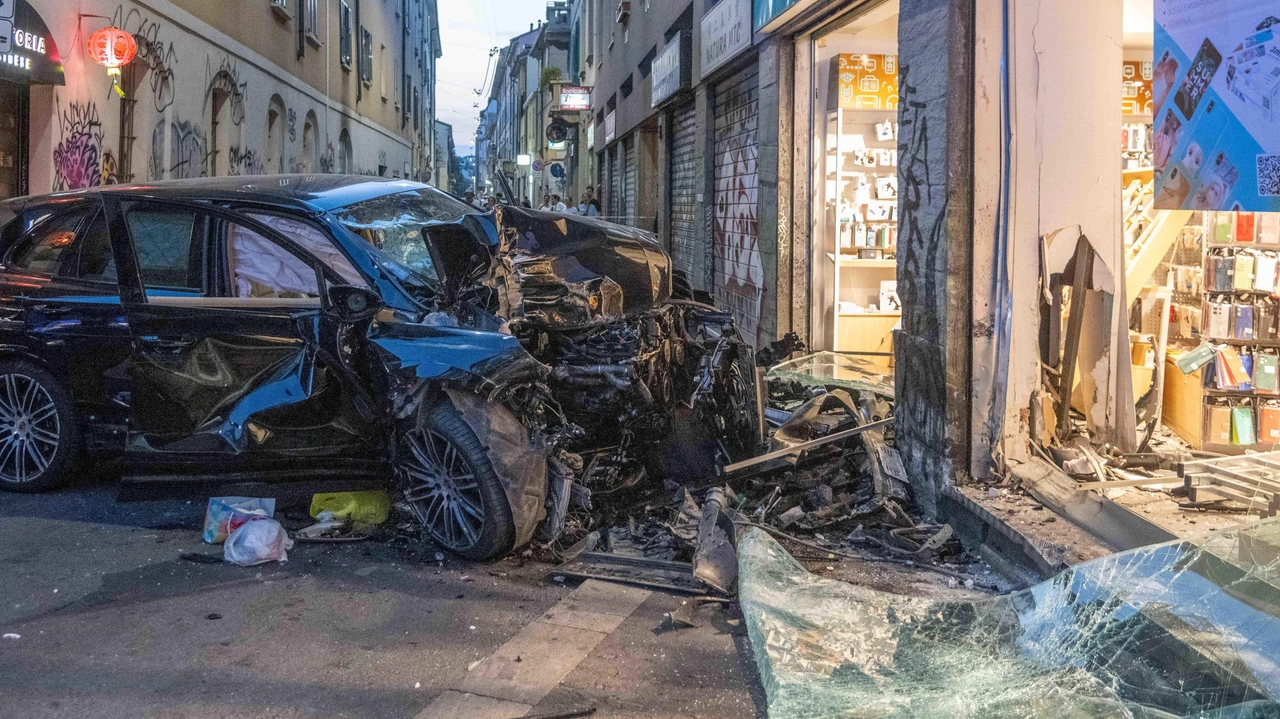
(630,177)
(739,272)
(683,185)
(615,186)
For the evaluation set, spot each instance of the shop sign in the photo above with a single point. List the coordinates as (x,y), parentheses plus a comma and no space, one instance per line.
(1136,87)
(726,31)
(867,82)
(27,51)
(575,98)
(766,10)
(1216,94)
(667,70)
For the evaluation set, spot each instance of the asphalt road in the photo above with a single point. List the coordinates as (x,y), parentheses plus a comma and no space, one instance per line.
(113,623)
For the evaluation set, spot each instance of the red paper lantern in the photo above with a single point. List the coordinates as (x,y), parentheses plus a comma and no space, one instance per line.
(112,48)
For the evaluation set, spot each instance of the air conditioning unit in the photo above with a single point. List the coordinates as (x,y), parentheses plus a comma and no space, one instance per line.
(624,11)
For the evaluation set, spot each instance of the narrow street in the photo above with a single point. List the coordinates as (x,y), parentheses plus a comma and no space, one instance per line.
(115,623)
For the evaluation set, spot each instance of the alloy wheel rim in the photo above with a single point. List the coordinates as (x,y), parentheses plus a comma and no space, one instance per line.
(442,490)
(30,428)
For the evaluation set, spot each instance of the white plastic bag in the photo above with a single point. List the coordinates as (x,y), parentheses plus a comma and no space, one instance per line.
(257,541)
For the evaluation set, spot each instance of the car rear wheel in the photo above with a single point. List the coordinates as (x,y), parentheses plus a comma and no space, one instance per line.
(39,432)
(451,486)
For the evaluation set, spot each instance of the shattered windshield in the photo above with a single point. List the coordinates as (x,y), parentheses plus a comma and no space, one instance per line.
(393,224)
(1185,629)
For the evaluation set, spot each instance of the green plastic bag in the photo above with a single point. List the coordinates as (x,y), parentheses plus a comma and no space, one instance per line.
(368,507)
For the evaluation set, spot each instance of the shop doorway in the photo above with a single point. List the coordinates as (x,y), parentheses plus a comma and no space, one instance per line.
(853,120)
(14,138)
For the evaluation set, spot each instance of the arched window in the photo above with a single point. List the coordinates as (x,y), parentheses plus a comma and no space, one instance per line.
(346,165)
(275,136)
(310,144)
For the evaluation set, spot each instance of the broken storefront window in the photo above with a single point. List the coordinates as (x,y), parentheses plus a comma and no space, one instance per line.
(1182,629)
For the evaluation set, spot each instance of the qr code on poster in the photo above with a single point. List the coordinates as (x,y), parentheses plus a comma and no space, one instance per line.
(1269,175)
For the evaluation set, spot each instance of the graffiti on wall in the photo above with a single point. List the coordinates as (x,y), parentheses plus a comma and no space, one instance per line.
(916,245)
(739,269)
(227,81)
(110,168)
(188,151)
(244,161)
(77,158)
(327,160)
(293,122)
(155,161)
(158,57)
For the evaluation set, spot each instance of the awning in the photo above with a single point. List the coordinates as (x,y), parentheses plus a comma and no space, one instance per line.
(28,55)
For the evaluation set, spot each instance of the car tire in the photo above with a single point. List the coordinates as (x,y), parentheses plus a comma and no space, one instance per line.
(452,487)
(39,429)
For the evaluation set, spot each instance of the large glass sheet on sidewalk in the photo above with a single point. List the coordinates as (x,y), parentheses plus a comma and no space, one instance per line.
(1185,629)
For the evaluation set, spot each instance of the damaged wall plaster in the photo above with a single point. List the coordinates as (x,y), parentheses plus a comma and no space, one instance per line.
(1065,172)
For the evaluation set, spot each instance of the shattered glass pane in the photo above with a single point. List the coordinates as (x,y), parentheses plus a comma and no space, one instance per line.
(832,368)
(1184,629)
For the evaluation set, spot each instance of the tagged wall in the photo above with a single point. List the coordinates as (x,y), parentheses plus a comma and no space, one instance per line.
(197,103)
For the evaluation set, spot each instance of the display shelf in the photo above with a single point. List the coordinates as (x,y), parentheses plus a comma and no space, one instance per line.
(870,314)
(1211,392)
(1234,342)
(888,263)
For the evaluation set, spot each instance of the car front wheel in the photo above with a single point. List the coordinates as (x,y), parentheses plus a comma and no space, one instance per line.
(451,486)
(39,434)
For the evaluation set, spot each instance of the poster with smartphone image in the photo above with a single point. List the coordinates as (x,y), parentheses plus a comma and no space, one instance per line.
(1216,98)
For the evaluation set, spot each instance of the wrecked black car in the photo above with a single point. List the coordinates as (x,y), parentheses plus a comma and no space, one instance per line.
(496,365)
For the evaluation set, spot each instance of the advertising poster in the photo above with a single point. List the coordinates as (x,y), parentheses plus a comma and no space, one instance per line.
(868,82)
(1216,94)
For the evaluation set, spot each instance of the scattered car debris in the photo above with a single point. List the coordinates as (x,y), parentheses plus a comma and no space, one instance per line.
(567,714)
(831,475)
(682,616)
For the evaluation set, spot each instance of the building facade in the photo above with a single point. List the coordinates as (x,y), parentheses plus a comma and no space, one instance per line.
(269,86)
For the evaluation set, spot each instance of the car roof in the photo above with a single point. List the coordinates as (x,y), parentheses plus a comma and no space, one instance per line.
(315,192)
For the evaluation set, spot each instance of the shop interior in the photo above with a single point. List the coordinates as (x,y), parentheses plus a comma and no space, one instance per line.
(1202,286)
(855,174)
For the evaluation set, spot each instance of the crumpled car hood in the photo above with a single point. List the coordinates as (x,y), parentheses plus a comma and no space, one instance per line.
(562,271)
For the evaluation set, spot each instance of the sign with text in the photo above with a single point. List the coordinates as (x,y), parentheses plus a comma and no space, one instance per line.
(573,97)
(28,54)
(667,71)
(726,31)
(1216,94)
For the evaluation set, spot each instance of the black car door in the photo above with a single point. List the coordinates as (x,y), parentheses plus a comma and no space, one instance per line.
(226,318)
(60,302)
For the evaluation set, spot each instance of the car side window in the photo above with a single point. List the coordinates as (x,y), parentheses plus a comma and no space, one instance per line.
(168,244)
(46,246)
(260,268)
(94,259)
(315,241)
